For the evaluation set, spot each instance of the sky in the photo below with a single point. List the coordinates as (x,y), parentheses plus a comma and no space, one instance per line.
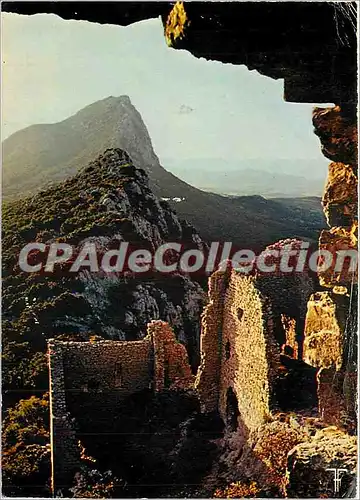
(193,108)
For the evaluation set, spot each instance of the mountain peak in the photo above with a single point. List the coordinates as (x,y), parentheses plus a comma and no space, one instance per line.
(48,154)
(121,98)
(110,102)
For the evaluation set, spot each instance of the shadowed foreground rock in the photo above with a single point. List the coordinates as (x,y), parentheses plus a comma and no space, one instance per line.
(307,465)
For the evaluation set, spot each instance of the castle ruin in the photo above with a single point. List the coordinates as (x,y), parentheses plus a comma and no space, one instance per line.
(93,378)
(245,328)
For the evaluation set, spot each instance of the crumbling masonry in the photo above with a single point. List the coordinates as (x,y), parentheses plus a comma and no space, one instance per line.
(244,321)
(94,377)
(250,327)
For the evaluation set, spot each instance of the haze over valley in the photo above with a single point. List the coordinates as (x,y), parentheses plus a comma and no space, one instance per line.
(207,121)
(253,176)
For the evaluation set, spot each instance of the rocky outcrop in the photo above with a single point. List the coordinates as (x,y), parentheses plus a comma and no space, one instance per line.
(337,131)
(340,243)
(340,195)
(311,466)
(279,455)
(262,456)
(107,203)
(331,322)
(330,346)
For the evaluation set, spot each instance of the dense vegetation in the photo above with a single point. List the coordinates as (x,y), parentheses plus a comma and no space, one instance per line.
(38,306)
(26,448)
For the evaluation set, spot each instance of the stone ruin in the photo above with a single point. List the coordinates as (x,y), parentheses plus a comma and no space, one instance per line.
(95,377)
(247,335)
(253,329)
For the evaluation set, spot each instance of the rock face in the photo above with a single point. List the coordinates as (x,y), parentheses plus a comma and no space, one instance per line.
(309,463)
(337,131)
(331,321)
(341,243)
(331,347)
(109,202)
(288,457)
(262,457)
(340,195)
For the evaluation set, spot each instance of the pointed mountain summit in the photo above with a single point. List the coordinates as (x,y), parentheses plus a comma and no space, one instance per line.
(42,155)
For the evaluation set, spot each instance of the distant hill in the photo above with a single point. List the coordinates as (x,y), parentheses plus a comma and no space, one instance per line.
(268,178)
(41,155)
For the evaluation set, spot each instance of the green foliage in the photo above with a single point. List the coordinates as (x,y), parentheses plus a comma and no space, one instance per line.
(26,448)
(91,483)
(37,306)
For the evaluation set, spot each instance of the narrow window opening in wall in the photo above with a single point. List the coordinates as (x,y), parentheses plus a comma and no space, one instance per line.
(232,410)
(227,350)
(118,375)
(240,313)
(166,375)
(93,385)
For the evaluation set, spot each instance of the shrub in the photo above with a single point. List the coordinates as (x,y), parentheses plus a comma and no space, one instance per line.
(91,483)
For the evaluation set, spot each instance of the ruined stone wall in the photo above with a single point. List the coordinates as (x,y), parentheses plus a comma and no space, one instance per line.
(208,375)
(171,362)
(99,375)
(324,332)
(245,329)
(288,294)
(65,454)
(89,381)
(249,356)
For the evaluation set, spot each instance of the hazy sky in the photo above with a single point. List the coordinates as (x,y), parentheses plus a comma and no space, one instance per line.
(193,108)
